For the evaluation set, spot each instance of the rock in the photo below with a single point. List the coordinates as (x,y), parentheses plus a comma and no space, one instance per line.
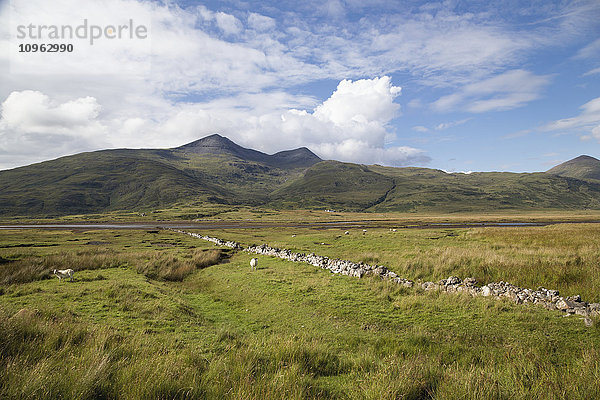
(564,305)
(470,282)
(588,322)
(541,296)
(582,311)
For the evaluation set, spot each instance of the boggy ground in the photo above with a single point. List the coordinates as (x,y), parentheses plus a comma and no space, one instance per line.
(163,315)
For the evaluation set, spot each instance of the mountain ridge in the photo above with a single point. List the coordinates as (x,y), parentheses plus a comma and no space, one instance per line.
(217,144)
(215,170)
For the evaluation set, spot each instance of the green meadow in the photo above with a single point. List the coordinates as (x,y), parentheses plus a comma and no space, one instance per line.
(154,314)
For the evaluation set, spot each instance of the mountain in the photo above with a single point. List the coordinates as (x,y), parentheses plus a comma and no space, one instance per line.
(342,186)
(215,170)
(582,167)
(217,144)
(210,170)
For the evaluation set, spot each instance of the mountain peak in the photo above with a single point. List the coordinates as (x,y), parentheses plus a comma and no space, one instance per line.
(214,141)
(217,144)
(583,167)
(583,157)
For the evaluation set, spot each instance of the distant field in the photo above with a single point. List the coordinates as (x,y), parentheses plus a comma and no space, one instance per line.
(216,213)
(164,315)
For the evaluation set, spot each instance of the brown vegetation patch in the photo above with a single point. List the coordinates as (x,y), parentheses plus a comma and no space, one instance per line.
(171,267)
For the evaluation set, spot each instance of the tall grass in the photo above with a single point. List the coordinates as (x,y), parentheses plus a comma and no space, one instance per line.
(41,359)
(172,267)
(34,267)
(290,330)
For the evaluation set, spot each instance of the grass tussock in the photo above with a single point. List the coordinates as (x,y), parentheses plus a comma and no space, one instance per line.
(30,268)
(172,267)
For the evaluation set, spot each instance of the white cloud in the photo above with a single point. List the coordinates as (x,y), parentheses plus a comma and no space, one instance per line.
(240,71)
(228,23)
(32,111)
(260,22)
(420,128)
(502,92)
(588,121)
(360,101)
(590,51)
(34,128)
(351,125)
(592,72)
(451,124)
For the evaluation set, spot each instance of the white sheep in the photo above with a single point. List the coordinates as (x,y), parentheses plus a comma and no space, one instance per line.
(346,233)
(64,273)
(253,263)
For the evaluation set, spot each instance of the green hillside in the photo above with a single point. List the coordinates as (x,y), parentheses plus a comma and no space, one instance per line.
(99,181)
(332,184)
(375,188)
(128,179)
(582,167)
(418,189)
(215,170)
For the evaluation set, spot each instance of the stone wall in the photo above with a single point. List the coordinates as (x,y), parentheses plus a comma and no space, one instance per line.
(547,298)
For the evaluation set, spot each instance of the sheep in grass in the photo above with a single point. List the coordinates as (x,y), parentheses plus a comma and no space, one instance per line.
(253,263)
(64,273)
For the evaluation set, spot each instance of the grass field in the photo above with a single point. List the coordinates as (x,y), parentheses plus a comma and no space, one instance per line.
(163,315)
(228,213)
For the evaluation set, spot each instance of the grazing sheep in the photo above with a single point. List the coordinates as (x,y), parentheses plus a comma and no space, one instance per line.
(64,273)
(346,233)
(253,263)
(364,231)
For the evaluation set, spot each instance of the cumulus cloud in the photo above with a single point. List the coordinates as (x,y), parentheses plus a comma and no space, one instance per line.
(34,111)
(508,90)
(34,127)
(353,124)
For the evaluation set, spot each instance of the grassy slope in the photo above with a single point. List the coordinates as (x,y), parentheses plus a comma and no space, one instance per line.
(134,180)
(582,167)
(145,180)
(419,189)
(285,331)
(332,184)
(336,185)
(92,182)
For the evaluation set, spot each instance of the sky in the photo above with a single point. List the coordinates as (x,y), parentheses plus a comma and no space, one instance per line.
(460,86)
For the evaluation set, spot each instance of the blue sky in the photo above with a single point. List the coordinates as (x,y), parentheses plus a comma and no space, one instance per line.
(458,86)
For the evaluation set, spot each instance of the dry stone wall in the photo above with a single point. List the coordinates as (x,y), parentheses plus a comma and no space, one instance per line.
(547,298)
